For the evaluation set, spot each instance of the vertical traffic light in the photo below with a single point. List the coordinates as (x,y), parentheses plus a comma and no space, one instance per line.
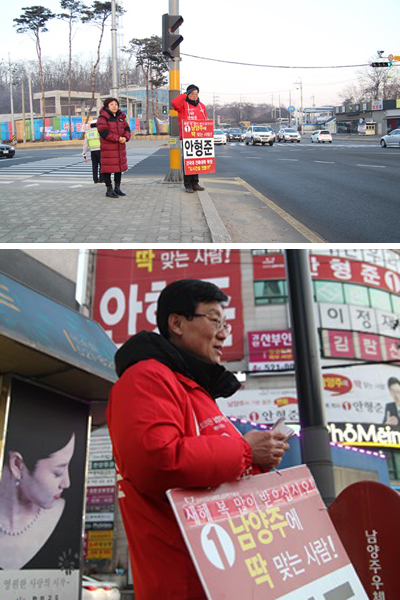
(171,40)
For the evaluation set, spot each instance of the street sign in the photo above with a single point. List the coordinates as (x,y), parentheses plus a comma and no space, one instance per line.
(390,57)
(198,147)
(396,57)
(265,536)
(291,108)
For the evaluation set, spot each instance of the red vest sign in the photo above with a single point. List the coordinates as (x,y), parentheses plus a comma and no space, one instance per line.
(365,515)
(129,282)
(198,147)
(267,536)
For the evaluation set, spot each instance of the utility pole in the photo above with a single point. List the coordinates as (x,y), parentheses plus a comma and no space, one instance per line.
(279,106)
(215,98)
(314,435)
(290,104)
(23,109)
(175,172)
(31,105)
(272,107)
(14,137)
(114,90)
(300,83)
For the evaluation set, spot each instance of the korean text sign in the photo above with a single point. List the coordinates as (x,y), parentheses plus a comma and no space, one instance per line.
(270,350)
(267,536)
(198,147)
(129,282)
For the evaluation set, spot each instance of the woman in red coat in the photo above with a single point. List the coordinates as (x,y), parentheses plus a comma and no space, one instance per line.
(114,132)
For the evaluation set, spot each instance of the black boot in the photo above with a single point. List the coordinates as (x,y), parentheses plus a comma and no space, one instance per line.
(110,193)
(118,191)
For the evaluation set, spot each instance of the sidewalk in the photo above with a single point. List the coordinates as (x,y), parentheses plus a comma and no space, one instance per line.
(228,211)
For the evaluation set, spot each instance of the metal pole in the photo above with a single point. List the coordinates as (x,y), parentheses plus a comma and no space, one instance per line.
(14,137)
(175,172)
(302,118)
(290,104)
(114,90)
(314,435)
(23,109)
(30,105)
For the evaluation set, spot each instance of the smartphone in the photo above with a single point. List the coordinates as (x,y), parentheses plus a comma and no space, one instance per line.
(281,426)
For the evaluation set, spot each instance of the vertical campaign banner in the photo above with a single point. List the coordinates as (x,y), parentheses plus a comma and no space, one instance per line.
(129,282)
(267,536)
(198,147)
(42,489)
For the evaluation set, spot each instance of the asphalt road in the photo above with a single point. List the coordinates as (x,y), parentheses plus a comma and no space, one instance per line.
(347,191)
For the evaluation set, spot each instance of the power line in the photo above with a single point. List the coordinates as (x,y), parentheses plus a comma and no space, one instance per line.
(230,62)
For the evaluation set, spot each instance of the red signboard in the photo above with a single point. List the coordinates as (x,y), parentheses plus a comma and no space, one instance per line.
(370,348)
(365,515)
(331,268)
(198,147)
(128,283)
(270,350)
(267,536)
(340,344)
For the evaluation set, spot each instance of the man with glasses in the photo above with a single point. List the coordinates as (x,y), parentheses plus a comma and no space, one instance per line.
(167,431)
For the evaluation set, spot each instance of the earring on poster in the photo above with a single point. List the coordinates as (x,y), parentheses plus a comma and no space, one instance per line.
(17,481)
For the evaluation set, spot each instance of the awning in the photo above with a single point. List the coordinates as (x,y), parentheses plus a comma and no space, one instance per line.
(45,341)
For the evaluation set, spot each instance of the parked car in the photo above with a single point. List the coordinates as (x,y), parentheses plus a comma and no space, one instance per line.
(391,139)
(288,134)
(94,589)
(6,150)
(259,134)
(321,135)
(219,136)
(234,134)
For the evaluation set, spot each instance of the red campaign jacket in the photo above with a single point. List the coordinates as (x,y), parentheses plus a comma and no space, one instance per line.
(110,128)
(166,432)
(188,112)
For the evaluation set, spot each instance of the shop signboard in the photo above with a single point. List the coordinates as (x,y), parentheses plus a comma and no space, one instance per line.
(267,536)
(129,282)
(198,147)
(270,350)
(40,551)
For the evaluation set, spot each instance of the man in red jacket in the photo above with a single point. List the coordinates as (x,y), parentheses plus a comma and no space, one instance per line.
(189,108)
(167,431)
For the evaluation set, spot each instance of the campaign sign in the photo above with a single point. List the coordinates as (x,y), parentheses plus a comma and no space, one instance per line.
(267,536)
(198,147)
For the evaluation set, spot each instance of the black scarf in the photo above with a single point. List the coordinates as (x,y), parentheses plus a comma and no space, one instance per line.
(192,102)
(213,377)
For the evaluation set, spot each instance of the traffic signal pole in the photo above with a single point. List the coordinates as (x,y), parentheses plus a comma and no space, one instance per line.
(314,434)
(175,172)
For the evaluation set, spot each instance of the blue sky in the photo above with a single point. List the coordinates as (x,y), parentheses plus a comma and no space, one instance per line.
(288,33)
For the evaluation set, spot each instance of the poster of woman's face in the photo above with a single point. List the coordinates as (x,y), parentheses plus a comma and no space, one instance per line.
(42,494)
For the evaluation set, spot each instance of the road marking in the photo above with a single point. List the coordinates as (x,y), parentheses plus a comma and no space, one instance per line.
(307,233)
(75,186)
(31,185)
(324,162)
(373,166)
(254,157)
(292,159)
(7,182)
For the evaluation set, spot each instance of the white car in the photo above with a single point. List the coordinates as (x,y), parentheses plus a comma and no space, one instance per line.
(321,135)
(259,134)
(219,136)
(391,139)
(94,589)
(288,134)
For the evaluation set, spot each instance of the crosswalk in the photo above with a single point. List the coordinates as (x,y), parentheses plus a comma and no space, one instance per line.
(307,144)
(66,169)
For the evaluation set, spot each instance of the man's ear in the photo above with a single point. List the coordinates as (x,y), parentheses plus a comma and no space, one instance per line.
(175,324)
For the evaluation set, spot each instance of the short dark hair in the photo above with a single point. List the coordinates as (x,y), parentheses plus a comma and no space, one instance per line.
(108,100)
(392,381)
(182,297)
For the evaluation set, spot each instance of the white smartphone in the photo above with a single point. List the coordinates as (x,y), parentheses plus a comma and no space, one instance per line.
(281,426)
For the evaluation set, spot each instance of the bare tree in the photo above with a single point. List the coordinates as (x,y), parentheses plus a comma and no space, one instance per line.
(33,22)
(73,11)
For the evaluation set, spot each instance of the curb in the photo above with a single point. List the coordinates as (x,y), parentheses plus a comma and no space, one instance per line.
(218,231)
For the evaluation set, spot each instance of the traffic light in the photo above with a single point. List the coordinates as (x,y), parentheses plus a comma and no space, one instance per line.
(164,110)
(381,64)
(171,40)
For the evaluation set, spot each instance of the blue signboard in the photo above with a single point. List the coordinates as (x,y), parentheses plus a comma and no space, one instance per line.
(49,327)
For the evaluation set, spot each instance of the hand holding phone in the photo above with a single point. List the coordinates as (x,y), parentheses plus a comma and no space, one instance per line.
(281,426)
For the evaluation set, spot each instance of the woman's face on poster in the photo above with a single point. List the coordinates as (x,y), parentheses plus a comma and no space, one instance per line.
(50,477)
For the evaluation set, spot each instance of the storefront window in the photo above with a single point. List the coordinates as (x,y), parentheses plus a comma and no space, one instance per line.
(381,300)
(328,292)
(396,304)
(270,292)
(356,294)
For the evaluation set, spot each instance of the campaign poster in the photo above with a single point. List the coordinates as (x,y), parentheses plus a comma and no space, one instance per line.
(42,489)
(270,350)
(268,536)
(198,147)
(129,282)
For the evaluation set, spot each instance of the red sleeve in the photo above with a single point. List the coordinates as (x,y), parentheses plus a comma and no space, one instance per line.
(146,418)
(178,102)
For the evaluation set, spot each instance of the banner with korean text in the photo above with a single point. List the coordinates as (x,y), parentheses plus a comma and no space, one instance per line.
(198,147)
(267,536)
(129,282)
(270,350)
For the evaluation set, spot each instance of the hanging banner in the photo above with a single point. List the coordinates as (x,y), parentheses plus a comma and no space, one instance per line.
(267,536)
(270,350)
(41,525)
(198,147)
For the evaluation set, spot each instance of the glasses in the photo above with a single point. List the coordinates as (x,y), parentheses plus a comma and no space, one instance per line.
(217,323)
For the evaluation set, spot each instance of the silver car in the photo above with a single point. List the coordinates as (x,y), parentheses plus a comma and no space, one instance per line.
(288,134)
(391,139)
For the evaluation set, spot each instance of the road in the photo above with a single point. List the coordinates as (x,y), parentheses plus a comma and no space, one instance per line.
(347,191)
